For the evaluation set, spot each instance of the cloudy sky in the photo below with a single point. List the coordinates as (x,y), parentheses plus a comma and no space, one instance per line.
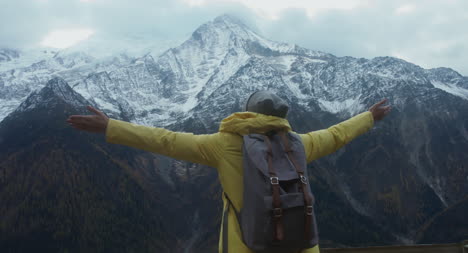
(429,33)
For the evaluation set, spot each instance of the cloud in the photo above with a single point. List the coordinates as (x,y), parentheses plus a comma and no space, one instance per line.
(66,38)
(272,8)
(26,22)
(429,33)
(404,9)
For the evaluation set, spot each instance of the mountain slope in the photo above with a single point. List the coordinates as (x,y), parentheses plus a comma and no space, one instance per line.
(67,191)
(453,217)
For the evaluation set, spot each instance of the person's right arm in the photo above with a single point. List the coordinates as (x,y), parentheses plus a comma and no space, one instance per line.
(204,149)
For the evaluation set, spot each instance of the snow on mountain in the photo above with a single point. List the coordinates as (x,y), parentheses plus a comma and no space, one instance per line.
(452,89)
(160,90)
(101,46)
(142,80)
(30,69)
(351,105)
(449,81)
(11,59)
(55,89)
(7,54)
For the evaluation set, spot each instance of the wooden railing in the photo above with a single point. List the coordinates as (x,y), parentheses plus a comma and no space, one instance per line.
(421,248)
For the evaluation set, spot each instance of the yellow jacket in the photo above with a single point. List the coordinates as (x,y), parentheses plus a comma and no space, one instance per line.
(222,150)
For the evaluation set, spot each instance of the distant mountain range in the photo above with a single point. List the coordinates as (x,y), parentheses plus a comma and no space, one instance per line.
(406,181)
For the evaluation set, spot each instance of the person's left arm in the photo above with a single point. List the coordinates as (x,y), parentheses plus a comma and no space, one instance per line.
(323,142)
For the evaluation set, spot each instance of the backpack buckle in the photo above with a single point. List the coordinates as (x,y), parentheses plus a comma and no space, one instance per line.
(274,180)
(303,179)
(309,210)
(277,212)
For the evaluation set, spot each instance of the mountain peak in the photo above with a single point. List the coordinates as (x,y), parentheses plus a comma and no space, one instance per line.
(229,19)
(227,25)
(59,86)
(56,91)
(229,32)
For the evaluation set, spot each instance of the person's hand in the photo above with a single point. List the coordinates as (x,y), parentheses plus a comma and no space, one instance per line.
(379,110)
(91,123)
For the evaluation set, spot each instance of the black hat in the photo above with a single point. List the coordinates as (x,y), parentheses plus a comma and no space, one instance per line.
(265,102)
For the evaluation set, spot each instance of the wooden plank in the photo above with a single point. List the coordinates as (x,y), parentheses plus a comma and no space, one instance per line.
(429,248)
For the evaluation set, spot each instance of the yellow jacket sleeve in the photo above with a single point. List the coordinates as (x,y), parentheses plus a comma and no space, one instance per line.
(204,149)
(323,142)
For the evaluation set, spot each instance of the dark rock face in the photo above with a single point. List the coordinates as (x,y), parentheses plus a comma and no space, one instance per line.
(453,218)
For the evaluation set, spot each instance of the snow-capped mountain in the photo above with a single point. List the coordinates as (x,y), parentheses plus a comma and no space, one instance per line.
(7,55)
(30,71)
(27,70)
(149,86)
(393,180)
(161,89)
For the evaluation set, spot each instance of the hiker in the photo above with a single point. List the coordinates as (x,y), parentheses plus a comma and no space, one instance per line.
(264,112)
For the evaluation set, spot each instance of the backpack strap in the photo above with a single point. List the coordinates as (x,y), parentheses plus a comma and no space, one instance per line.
(307,197)
(233,207)
(225,222)
(225,228)
(277,210)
